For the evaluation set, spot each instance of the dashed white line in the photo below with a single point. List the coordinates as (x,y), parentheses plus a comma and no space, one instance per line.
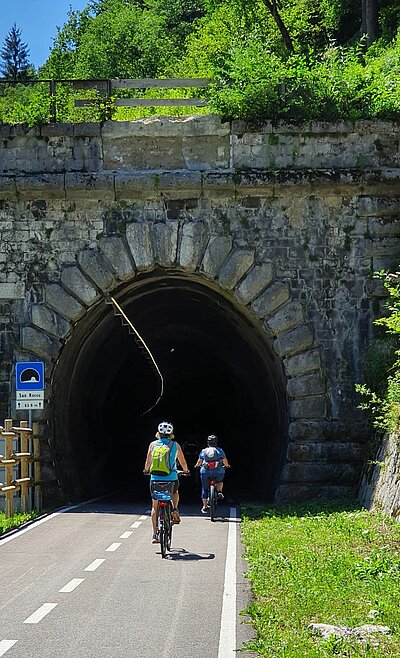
(143,517)
(227,638)
(40,613)
(93,565)
(5,645)
(136,524)
(73,584)
(125,535)
(113,547)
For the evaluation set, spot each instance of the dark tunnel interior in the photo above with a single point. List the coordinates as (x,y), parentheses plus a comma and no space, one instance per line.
(220,376)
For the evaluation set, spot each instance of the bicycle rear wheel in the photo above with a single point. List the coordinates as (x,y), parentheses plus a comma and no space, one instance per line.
(213,502)
(162,531)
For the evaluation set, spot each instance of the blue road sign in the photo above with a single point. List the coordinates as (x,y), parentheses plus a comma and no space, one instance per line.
(29,376)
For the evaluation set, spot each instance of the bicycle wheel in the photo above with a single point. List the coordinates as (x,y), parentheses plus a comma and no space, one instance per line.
(213,502)
(162,531)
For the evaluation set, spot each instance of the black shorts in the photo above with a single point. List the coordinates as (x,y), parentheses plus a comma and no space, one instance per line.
(171,486)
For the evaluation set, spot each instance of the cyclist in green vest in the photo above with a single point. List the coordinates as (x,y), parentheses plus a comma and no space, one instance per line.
(165,437)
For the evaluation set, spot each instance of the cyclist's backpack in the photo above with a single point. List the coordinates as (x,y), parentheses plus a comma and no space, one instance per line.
(161,459)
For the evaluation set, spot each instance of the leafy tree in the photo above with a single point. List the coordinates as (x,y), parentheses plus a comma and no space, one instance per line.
(15,56)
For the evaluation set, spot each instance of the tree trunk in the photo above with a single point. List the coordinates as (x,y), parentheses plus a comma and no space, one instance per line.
(369,20)
(272,7)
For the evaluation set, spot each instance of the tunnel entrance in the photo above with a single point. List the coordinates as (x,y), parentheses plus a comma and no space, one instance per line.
(220,373)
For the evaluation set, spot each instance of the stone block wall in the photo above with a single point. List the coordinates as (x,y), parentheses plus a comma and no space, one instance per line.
(291,220)
(379,489)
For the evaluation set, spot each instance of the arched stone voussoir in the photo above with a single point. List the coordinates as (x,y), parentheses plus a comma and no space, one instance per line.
(38,342)
(300,364)
(286,318)
(235,267)
(269,301)
(76,283)
(96,267)
(49,321)
(255,281)
(61,301)
(294,341)
(165,241)
(193,243)
(116,252)
(304,385)
(217,250)
(139,236)
(311,407)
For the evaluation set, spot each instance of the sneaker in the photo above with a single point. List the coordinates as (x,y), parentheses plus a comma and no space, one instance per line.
(155,539)
(175,516)
(204,510)
(220,495)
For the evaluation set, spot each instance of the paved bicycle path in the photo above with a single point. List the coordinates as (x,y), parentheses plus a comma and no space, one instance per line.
(89,583)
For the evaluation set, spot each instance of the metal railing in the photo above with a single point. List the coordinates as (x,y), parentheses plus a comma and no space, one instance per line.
(21,448)
(108,92)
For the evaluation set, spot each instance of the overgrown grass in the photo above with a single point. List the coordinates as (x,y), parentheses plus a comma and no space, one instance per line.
(8,523)
(329,563)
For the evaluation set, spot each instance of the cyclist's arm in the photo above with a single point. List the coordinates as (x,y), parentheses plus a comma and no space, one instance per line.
(181,458)
(198,463)
(225,462)
(148,458)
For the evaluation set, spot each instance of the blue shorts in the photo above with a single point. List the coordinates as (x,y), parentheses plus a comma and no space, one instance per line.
(216,474)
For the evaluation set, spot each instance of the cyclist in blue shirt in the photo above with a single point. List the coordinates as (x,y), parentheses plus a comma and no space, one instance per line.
(165,436)
(212,463)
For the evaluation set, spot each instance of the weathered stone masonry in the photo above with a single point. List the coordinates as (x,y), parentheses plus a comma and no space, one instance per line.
(287,221)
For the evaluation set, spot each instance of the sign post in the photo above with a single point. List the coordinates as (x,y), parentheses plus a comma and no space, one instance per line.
(29,393)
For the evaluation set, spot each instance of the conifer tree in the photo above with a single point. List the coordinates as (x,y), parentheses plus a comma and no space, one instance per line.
(14,56)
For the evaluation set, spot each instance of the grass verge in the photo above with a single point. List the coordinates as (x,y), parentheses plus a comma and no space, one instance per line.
(9,523)
(331,563)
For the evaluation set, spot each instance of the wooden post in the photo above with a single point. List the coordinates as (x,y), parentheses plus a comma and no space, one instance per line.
(37,467)
(24,474)
(8,462)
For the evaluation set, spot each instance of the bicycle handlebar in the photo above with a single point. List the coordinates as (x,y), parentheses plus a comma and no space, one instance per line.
(184,473)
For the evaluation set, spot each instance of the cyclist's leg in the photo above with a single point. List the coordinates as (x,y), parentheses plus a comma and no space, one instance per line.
(175,502)
(205,488)
(154,511)
(219,485)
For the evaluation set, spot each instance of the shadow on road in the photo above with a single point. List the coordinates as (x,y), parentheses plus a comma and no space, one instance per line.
(183,554)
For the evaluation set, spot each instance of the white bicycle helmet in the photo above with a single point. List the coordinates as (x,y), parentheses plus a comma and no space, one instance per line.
(165,427)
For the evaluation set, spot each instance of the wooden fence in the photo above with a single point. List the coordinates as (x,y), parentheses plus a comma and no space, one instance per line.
(107,92)
(21,448)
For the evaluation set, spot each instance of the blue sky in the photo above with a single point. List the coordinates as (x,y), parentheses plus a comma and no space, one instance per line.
(38,21)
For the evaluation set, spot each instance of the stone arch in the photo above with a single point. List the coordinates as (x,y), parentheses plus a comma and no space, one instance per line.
(116,262)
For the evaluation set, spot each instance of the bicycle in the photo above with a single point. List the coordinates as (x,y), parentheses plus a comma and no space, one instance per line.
(213,498)
(162,492)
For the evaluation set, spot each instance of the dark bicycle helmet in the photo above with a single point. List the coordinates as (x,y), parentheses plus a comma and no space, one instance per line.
(212,440)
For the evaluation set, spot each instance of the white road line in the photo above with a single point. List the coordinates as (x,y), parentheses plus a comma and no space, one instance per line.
(22,531)
(125,535)
(5,645)
(227,637)
(113,547)
(73,584)
(93,565)
(40,613)
(143,517)
(136,524)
